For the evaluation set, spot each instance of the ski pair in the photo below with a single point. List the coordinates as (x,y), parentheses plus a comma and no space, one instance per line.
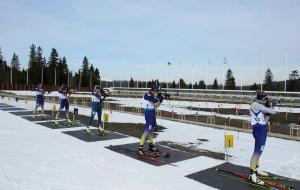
(146,156)
(157,153)
(268,184)
(272,177)
(99,133)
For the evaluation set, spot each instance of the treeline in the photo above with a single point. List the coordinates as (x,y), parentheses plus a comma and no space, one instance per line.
(292,84)
(52,71)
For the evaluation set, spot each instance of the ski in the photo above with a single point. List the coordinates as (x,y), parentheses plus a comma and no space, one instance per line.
(41,117)
(248,182)
(65,123)
(148,157)
(267,182)
(271,177)
(99,134)
(158,153)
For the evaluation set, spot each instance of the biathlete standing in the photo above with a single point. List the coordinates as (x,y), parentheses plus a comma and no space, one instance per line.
(259,115)
(98,95)
(152,100)
(39,100)
(64,92)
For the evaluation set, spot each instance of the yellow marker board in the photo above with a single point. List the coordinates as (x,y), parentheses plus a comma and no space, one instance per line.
(106,117)
(53,107)
(229,141)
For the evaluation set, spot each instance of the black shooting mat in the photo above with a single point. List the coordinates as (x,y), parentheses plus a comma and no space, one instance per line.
(11,109)
(216,179)
(6,105)
(21,113)
(38,117)
(132,148)
(61,124)
(95,136)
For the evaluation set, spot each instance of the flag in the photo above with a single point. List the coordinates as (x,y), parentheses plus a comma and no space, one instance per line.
(169,64)
(225,60)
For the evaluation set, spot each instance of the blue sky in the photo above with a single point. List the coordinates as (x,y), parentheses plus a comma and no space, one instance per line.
(137,38)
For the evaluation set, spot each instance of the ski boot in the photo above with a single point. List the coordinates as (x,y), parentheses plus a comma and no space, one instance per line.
(68,120)
(101,129)
(87,129)
(254,179)
(261,173)
(152,148)
(141,151)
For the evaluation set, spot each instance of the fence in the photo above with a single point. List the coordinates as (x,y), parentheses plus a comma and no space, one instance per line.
(293,130)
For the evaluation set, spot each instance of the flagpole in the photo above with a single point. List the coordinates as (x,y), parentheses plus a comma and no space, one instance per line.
(27,77)
(193,76)
(223,76)
(261,74)
(286,60)
(68,78)
(242,64)
(55,76)
(179,75)
(11,74)
(42,79)
(167,76)
(79,85)
(206,74)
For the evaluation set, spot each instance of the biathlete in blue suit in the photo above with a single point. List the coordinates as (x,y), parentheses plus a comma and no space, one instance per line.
(259,115)
(98,95)
(64,92)
(152,101)
(39,99)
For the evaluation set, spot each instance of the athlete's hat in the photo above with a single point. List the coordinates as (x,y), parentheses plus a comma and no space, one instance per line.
(261,95)
(155,88)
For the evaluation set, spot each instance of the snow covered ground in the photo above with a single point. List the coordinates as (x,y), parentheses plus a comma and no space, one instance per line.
(36,157)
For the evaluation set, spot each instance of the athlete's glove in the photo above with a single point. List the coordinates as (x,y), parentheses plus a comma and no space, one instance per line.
(160,97)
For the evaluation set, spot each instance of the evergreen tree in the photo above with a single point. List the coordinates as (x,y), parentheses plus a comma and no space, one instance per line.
(97,78)
(268,80)
(62,71)
(163,85)
(32,68)
(202,84)
(3,68)
(230,81)
(45,71)
(173,85)
(52,67)
(85,77)
(215,84)
(196,85)
(76,79)
(36,68)
(254,87)
(94,75)
(91,75)
(15,69)
(182,83)
(293,84)
(131,83)
(23,76)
